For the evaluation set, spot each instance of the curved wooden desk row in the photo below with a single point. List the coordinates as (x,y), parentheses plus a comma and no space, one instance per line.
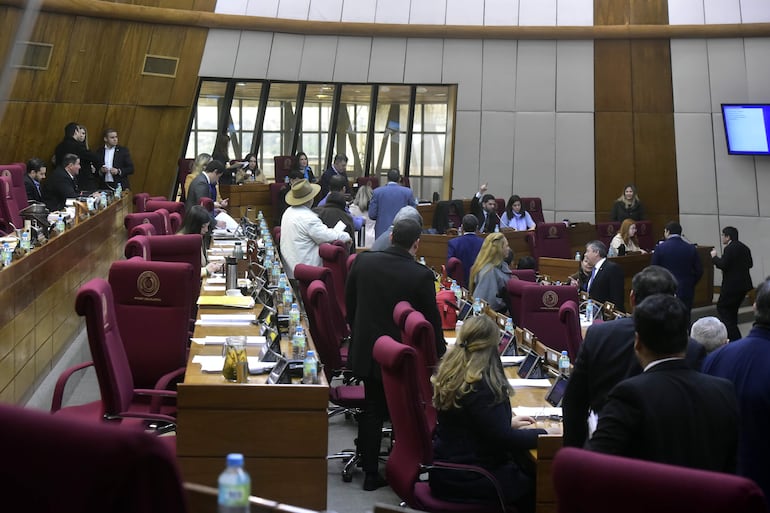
(37,296)
(282,430)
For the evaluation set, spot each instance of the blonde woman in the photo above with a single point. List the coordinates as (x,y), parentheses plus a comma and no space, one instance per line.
(627,206)
(360,208)
(626,236)
(491,272)
(199,164)
(475,423)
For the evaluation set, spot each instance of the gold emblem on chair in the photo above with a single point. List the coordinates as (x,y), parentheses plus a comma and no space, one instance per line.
(553,232)
(550,299)
(532,205)
(610,230)
(148,283)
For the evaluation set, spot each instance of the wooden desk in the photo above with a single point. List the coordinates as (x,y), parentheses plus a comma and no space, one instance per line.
(37,296)
(255,195)
(282,430)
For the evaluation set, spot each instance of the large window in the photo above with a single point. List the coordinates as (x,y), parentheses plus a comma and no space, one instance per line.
(378,127)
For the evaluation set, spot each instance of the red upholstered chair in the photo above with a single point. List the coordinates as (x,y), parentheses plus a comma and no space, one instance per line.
(171,206)
(305,275)
(372,181)
(16,172)
(644,234)
(535,208)
(606,231)
(540,312)
(138,245)
(277,236)
(176,220)
(600,483)
(57,464)
(275,200)
(153,218)
(9,208)
(515,288)
(184,166)
(418,333)
(456,271)
(525,274)
(550,240)
(335,258)
(207,203)
(349,262)
(570,321)
(413,451)
(140,201)
(119,399)
(283,165)
(145,229)
(500,206)
(156,294)
(400,313)
(166,221)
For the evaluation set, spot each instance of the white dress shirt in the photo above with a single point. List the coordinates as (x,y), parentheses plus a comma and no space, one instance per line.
(109,157)
(302,231)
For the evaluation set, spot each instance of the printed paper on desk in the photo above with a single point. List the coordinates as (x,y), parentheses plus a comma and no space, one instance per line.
(512,360)
(214,288)
(538,412)
(531,383)
(230,224)
(229,317)
(339,227)
(218,341)
(215,280)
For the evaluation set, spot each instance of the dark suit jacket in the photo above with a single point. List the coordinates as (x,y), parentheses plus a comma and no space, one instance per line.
(681,258)
(333,212)
(605,358)
(199,188)
(466,248)
(486,224)
(87,180)
(735,263)
(671,414)
(386,201)
(746,363)
(57,187)
(33,194)
(324,183)
(376,282)
(608,285)
(121,160)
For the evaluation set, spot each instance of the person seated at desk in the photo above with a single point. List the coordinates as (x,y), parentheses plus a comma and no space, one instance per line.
(670,413)
(383,241)
(198,220)
(627,206)
(476,425)
(467,246)
(581,277)
(484,207)
(625,240)
(62,184)
(301,165)
(515,217)
(35,175)
(491,271)
(607,280)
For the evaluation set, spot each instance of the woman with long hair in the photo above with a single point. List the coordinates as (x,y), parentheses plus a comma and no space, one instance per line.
(627,206)
(625,237)
(198,165)
(251,168)
(515,217)
(198,220)
(360,208)
(301,164)
(490,272)
(475,423)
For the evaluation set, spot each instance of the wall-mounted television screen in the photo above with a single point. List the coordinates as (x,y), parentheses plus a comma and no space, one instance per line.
(747,128)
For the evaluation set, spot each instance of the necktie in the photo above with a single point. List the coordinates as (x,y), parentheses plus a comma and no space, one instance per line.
(591,280)
(213,191)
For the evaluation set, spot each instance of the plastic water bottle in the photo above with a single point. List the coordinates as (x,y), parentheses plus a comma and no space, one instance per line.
(288,299)
(458,327)
(477,306)
(7,254)
(234,486)
(577,256)
(509,325)
(275,273)
(118,191)
(26,242)
(60,224)
(260,216)
(590,310)
(238,251)
(293,318)
(298,344)
(497,228)
(310,369)
(458,291)
(104,199)
(564,363)
(422,260)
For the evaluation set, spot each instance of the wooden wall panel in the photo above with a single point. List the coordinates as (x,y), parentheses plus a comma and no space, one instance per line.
(648,12)
(612,76)
(652,90)
(611,12)
(9,20)
(137,37)
(655,165)
(614,158)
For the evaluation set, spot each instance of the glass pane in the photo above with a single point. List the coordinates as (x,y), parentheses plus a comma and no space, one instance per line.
(390,128)
(316,114)
(243,114)
(280,118)
(353,125)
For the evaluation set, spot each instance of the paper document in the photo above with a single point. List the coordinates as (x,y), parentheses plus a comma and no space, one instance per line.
(228,301)
(512,360)
(214,288)
(229,317)
(218,341)
(339,227)
(230,223)
(214,363)
(215,280)
(532,383)
(450,340)
(538,412)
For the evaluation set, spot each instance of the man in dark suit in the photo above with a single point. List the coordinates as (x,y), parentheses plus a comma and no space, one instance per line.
(74,142)
(606,281)
(35,175)
(670,413)
(387,201)
(62,183)
(484,207)
(114,162)
(606,357)
(376,282)
(736,280)
(746,363)
(337,168)
(467,246)
(681,258)
(205,185)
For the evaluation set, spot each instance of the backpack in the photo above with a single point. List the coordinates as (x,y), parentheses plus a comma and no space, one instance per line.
(447,308)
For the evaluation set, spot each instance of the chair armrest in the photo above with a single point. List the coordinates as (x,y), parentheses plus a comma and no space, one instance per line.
(155,393)
(58,391)
(163,384)
(470,468)
(145,416)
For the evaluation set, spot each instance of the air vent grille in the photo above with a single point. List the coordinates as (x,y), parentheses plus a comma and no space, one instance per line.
(33,55)
(160,66)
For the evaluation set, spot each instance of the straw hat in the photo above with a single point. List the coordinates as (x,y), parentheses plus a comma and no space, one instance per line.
(302,192)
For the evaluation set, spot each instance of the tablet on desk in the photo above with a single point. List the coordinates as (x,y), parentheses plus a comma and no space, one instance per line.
(530,367)
(271,350)
(556,392)
(507,345)
(465,309)
(280,373)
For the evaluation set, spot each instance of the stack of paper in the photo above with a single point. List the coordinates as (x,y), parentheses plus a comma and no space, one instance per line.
(538,412)
(226,320)
(218,341)
(535,383)
(214,363)
(228,301)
